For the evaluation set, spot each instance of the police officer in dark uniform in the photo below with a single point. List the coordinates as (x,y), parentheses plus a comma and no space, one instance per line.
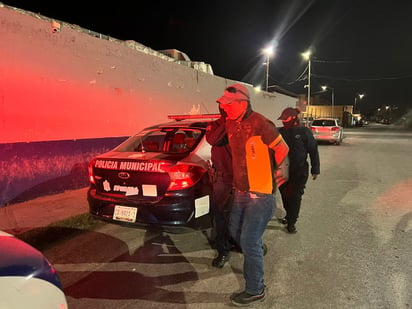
(222,175)
(301,143)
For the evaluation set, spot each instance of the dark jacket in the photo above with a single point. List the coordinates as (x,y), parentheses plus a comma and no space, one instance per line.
(301,143)
(220,153)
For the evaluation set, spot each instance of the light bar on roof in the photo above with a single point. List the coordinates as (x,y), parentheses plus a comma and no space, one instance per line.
(200,116)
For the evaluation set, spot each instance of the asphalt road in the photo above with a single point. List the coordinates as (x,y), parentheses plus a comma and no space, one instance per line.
(353,247)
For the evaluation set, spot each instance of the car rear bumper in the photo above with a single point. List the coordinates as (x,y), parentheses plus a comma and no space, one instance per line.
(171,214)
(327,137)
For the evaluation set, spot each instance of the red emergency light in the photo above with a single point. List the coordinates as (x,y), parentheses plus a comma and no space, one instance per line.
(200,116)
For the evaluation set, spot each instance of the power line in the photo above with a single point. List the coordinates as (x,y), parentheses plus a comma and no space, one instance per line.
(364,79)
(303,77)
(331,61)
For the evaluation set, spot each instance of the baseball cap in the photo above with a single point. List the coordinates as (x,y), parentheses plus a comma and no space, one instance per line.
(235,92)
(288,112)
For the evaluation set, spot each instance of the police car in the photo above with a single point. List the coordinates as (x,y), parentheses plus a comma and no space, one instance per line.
(27,279)
(156,179)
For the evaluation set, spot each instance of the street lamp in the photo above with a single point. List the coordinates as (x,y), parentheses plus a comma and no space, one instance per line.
(306,56)
(361,95)
(268,52)
(324,88)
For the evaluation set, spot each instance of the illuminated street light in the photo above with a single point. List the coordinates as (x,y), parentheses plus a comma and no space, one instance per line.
(324,88)
(268,52)
(306,56)
(361,95)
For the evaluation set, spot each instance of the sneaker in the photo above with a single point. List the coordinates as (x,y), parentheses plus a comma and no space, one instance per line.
(265,249)
(245,299)
(220,261)
(291,229)
(283,221)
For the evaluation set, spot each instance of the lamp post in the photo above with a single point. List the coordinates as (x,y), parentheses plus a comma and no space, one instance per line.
(306,56)
(324,88)
(361,95)
(268,52)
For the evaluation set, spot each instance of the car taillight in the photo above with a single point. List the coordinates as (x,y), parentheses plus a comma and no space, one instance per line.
(183,176)
(334,129)
(90,170)
(313,129)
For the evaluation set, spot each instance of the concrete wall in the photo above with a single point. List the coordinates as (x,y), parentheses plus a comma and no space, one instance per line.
(67,93)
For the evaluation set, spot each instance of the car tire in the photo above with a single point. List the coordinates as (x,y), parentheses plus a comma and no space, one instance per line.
(339,141)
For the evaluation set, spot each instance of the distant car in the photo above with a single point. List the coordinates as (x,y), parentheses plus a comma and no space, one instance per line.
(327,129)
(27,279)
(156,179)
(359,123)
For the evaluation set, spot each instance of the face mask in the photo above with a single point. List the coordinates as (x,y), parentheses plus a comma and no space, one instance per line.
(235,110)
(222,112)
(289,124)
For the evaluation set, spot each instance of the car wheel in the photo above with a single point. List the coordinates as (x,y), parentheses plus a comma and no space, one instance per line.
(338,142)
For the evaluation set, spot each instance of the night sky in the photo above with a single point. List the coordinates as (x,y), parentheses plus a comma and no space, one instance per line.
(362,46)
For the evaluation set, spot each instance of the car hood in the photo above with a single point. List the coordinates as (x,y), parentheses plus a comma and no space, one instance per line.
(18,258)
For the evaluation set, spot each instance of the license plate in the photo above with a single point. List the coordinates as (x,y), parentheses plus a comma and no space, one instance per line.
(124,213)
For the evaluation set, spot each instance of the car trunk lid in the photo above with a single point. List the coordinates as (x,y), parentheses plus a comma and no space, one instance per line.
(144,177)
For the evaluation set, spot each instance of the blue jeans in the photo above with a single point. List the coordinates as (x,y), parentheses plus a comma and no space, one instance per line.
(250,215)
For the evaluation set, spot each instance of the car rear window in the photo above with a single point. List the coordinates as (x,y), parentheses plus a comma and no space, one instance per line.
(324,123)
(170,140)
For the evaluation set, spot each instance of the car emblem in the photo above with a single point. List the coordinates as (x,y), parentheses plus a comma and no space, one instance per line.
(124,175)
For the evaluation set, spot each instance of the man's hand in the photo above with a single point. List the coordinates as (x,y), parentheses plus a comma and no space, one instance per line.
(314,176)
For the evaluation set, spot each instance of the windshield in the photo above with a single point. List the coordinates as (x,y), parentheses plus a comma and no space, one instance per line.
(169,140)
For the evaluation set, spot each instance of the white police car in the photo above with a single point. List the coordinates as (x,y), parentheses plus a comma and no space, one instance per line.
(156,179)
(27,279)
